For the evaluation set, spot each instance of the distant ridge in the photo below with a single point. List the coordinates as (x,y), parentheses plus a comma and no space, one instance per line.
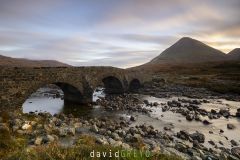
(234,54)
(21,62)
(188,50)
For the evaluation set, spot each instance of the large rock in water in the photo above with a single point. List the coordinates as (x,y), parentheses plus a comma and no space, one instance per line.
(198,136)
(236,151)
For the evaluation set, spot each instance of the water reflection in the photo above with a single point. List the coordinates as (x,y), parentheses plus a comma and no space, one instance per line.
(51,100)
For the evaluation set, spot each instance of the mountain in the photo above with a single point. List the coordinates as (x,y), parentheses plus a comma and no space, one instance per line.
(188,50)
(21,62)
(234,54)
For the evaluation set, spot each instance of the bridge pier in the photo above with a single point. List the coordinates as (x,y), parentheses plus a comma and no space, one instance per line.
(73,95)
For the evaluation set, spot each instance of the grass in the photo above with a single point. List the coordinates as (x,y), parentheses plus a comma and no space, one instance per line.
(84,146)
(221,77)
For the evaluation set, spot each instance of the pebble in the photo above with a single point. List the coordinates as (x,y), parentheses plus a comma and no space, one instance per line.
(230,126)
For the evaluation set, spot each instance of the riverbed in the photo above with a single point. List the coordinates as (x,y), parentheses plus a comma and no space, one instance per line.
(45,101)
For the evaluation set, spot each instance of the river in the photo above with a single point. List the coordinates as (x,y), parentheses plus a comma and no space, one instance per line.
(44,100)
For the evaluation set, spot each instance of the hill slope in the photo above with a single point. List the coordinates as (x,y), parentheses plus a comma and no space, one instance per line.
(21,62)
(234,54)
(188,50)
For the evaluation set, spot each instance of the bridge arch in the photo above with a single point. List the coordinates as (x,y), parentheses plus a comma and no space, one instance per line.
(72,93)
(134,85)
(113,85)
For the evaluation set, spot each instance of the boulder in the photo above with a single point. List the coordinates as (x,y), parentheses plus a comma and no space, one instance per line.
(231,126)
(206,122)
(211,142)
(236,151)
(132,118)
(190,117)
(50,138)
(26,126)
(183,135)
(115,136)
(102,141)
(238,113)
(234,143)
(146,102)
(224,113)
(198,136)
(94,128)
(63,131)
(38,141)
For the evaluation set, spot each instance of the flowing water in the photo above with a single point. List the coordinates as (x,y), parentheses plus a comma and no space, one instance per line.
(44,100)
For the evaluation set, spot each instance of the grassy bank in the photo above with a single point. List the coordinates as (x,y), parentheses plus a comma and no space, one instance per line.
(222,77)
(17,149)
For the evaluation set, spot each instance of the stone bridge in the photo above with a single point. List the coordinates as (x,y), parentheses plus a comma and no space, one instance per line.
(77,83)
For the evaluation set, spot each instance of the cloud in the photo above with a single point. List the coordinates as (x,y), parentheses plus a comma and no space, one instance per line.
(122,59)
(117,33)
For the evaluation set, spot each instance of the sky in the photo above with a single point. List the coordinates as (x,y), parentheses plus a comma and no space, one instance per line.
(119,33)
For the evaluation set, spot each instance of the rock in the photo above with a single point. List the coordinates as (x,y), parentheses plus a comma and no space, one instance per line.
(109,132)
(197,117)
(1,119)
(190,117)
(196,144)
(224,113)
(183,135)
(94,128)
(136,138)
(198,136)
(167,128)
(146,102)
(102,141)
(4,128)
(220,142)
(126,146)
(45,140)
(206,122)
(132,118)
(78,124)
(156,149)
(236,151)
(63,131)
(213,111)
(79,130)
(50,138)
(210,132)
(20,132)
(115,136)
(111,141)
(155,104)
(71,131)
(128,138)
(238,113)
(211,142)
(221,131)
(181,147)
(230,126)
(26,126)
(117,144)
(165,108)
(38,141)
(33,123)
(196,158)
(234,143)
